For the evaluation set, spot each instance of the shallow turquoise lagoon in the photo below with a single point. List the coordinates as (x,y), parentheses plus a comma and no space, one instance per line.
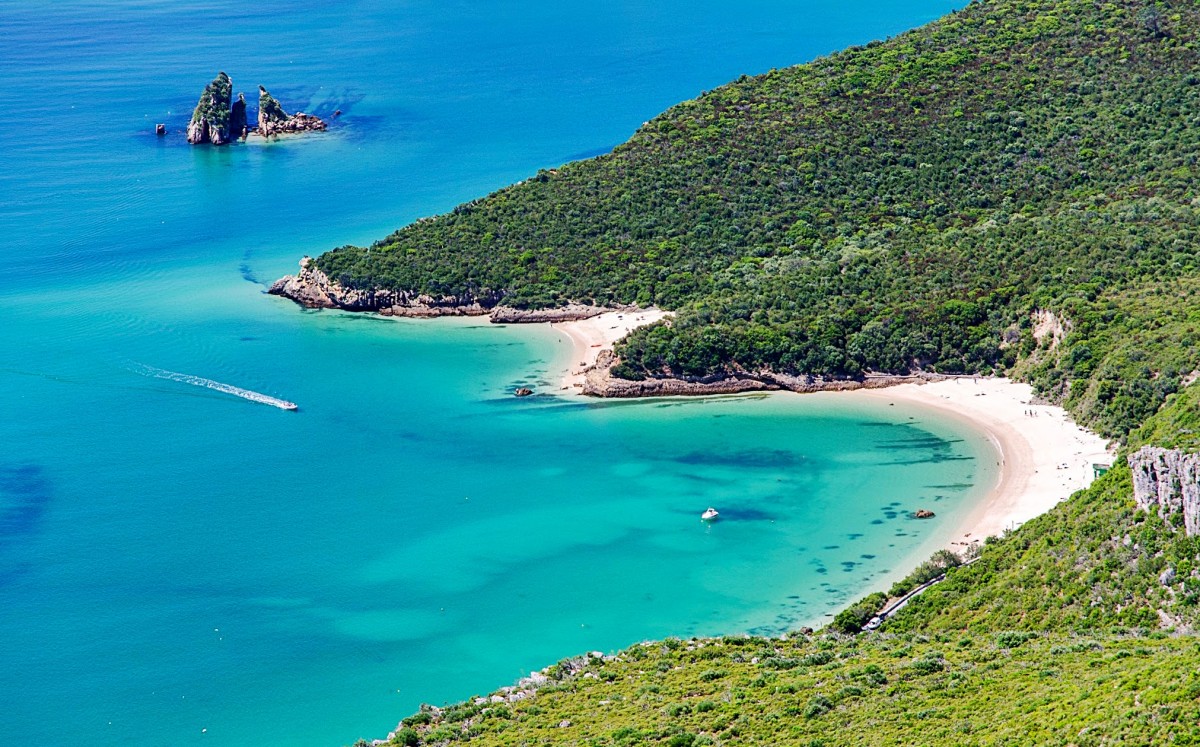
(183,566)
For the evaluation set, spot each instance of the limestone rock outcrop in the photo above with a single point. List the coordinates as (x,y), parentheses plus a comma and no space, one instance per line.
(1168,481)
(210,119)
(273,120)
(313,289)
(569,313)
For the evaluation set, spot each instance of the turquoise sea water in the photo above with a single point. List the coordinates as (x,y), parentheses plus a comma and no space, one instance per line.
(183,566)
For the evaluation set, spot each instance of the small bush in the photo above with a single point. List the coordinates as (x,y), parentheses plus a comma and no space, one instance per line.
(817,705)
(407,737)
(1012,639)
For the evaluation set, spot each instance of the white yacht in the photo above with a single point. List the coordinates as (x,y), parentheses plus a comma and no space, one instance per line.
(710,514)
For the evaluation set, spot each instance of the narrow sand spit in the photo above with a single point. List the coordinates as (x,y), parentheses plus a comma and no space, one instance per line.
(590,336)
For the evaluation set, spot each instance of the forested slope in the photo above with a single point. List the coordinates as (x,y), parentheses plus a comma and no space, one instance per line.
(907,204)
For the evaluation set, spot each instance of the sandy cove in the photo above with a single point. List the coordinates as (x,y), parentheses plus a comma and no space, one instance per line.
(590,336)
(1045,456)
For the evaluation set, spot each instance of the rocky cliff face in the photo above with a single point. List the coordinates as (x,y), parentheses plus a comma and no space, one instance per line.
(569,313)
(1168,480)
(313,288)
(273,120)
(210,119)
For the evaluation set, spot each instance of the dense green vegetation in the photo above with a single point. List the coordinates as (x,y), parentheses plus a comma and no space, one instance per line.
(1010,188)
(944,689)
(214,104)
(907,204)
(269,108)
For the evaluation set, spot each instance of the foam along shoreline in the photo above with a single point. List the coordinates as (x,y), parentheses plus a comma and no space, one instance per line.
(1045,456)
(598,333)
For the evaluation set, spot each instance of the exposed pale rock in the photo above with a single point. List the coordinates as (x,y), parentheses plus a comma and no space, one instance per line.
(569,313)
(1168,481)
(273,120)
(313,289)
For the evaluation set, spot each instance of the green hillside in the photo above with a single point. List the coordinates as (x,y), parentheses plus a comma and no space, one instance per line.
(1010,188)
(902,205)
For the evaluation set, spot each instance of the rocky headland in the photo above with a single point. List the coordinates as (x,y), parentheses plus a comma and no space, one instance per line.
(599,381)
(218,119)
(313,289)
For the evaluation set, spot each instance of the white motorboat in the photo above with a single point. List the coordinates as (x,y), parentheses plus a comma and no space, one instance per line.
(710,514)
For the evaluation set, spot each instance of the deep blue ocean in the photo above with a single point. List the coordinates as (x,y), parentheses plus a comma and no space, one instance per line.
(182,566)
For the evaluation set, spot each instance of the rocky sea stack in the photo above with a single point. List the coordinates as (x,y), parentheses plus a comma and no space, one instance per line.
(218,119)
(273,120)
(210,120)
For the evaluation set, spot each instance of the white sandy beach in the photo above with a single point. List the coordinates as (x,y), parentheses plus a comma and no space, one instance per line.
(589,336)
(1045,456)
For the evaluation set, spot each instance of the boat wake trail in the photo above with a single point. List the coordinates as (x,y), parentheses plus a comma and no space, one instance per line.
(236,391)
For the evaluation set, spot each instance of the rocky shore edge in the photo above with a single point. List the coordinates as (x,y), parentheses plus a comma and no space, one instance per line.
(313,289)
(599,381)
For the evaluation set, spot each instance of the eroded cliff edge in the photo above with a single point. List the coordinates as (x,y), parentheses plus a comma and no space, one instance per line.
(1168,481)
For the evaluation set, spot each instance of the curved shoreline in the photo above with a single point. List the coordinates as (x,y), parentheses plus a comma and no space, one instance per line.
(1045,456)
(1034,441)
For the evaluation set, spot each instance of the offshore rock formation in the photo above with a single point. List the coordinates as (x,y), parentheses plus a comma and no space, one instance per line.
(210,120)
(1168,480)
(313,289)
(273,120)
(219,120)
